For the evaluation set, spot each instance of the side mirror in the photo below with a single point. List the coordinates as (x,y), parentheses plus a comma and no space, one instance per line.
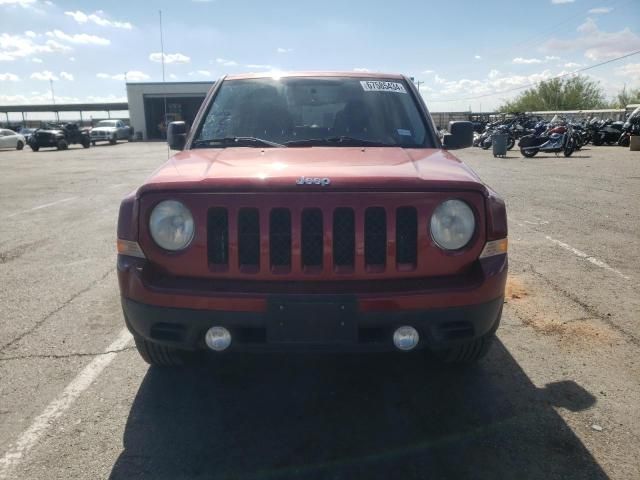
(460,135)
(177,135)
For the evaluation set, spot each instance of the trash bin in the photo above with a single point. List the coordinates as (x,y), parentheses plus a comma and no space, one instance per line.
(634,143)
(499,143)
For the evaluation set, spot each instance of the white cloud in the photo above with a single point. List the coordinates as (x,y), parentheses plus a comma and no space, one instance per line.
(477,57)
(600,10)
(173,76)
(258,66)
(549,58)
(36,60)
(169,58)
(560,2)
(426,72)
(597,44)
(79,38)
(98,18)
(284,50)
(572,65)
(200,73)
(13,47)
(30,34)
(8,77)
(66,76)
(131,76)
(45,75)
(631,70)
(526,61)
(227,63)
(21,3)
(72,59)
(362,70)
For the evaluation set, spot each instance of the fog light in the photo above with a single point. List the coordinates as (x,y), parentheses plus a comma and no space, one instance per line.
(406,338)
(218,338)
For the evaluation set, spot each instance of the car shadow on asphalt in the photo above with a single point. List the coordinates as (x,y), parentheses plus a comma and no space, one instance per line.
(352,417)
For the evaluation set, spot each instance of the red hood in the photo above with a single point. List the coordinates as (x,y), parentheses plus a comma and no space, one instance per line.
(348,168)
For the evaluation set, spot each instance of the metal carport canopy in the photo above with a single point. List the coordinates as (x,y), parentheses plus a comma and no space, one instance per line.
(66,107)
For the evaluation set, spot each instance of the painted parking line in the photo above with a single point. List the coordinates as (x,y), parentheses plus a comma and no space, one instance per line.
(46,205)
(58,406)
(588,258)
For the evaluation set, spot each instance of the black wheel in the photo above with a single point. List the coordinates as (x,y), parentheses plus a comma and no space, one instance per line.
(528,153)
(624,141)
(160,355)
(486,146)
(568,148)
(34,147)
(62,145)
(19,145)
(598,141)
(511,142)
(86,143)
(113,141)
(93,143)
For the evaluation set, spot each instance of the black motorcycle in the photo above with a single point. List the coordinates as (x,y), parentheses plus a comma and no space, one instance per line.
(609,133)
(630,127)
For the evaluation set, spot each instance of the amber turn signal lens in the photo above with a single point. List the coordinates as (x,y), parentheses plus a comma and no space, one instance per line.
(129,248)
(495,247)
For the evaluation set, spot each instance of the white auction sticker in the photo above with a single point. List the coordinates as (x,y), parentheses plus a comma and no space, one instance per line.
(380,86)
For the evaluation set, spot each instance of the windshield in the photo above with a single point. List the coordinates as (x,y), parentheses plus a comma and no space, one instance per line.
(107,123)
(315,111)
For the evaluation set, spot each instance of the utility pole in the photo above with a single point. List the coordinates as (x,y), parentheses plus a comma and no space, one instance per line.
(164,117)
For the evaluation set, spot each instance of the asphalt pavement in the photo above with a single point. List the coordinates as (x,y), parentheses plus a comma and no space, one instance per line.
(557,397)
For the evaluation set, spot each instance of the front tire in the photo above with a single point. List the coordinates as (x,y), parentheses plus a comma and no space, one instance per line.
(528,153)
(113,141)
(86,143)
(34,147)
(19,145)
(511,143)
(62,145)
(160,355)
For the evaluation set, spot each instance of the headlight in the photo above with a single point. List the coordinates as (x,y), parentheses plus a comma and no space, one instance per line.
(452,224)
(171,225)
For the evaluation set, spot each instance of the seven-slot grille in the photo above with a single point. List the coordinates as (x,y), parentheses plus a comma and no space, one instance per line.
(327,238)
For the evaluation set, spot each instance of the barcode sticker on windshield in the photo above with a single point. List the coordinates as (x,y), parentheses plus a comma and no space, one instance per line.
(379,86)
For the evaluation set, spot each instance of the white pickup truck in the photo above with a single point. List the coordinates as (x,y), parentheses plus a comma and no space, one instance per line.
(110,131)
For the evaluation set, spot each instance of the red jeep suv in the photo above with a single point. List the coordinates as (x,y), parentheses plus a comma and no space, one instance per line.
(313,211)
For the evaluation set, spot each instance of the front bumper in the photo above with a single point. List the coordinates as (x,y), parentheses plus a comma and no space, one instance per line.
(445,312)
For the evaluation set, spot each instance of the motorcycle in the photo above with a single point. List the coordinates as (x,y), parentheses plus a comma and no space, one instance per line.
(557,139)
(630,127)
(609,133)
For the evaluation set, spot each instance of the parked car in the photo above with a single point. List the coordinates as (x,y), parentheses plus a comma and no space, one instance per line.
(11,139)
(26,133)
(110,131)
(59,136)
(313,211)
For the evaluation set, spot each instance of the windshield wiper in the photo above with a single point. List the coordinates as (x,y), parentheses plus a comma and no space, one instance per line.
(342,140)
(236,141)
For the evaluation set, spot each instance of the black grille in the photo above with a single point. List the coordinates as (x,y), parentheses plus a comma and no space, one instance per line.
(344,237)
(406,235)
(218,236)
(375,236)
(312,237)
(249,237)
(280,237)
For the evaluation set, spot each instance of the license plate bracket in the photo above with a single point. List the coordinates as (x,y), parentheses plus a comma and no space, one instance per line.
(321,320)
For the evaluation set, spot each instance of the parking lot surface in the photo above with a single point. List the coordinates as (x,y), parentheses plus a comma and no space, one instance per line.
(557,397)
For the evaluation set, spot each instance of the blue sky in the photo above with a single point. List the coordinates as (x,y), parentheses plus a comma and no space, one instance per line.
(461,50)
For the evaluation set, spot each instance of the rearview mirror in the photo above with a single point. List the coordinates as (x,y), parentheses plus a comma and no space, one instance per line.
(460,135)
(177,135)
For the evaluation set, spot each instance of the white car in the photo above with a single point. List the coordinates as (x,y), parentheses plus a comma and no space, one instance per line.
(110,131)
(11,139)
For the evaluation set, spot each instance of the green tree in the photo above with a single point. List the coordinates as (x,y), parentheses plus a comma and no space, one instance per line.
(626,97)
(575,93)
